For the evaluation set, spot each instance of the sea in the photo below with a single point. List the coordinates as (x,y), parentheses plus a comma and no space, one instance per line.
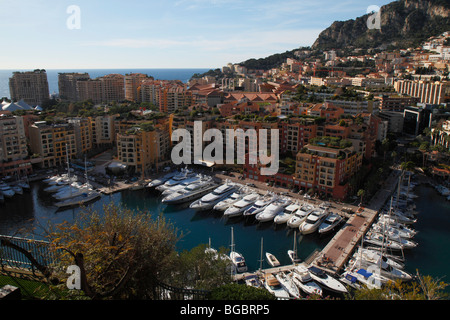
(34,210)
(52,75)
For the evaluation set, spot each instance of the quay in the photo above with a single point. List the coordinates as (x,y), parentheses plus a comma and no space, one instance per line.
(341,247)
(333,257)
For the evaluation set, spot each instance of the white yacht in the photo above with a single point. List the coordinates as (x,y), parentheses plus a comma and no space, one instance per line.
(6,190)
(57,186)
(229,201)
(252,280)
(24,184)
(300,215)
(157,182)
(397,229)
(168,188)
(361,278)
(383,269)
(379,240)
(237,259)
(326,281)
(397,218)
(191,192)
(374,256)
(272,260)
(330,223)
(176,179)
(240,206)
(313,221)
(304,281)
(209,200)
(288,284)
(180,186)
(406,243)
(272,210)
(74,190)
(273,286)
(79,200)
(287,213)
(260,204)
(17,189)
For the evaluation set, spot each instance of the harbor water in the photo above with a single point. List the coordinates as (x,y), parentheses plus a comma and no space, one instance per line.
(35,209)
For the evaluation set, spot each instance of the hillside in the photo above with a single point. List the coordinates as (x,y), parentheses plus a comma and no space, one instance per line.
(404,23)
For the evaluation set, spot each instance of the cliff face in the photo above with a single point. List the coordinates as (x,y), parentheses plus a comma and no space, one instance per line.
(402,22)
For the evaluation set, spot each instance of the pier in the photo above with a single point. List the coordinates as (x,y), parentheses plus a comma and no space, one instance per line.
(341,247)
(333,257)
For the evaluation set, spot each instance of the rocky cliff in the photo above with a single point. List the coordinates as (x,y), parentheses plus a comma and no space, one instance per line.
(402,23)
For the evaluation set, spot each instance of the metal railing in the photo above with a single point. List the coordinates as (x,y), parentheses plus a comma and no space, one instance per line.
(16,264)
(14,253)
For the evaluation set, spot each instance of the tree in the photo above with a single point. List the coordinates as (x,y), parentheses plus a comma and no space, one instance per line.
(202,268)
(407,165)
(423,288)
(234,291)
(122,254)
(361,194)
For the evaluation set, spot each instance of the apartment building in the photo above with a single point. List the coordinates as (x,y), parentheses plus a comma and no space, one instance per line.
(13,147)
(354,107)
(144,148)
(67,85)
(174,97)
(103,130)
(326,170)
(83,135)
(295,133)
(109,88)
(31,86)
(397,103)
(51,141)
(428,92)
(133,83)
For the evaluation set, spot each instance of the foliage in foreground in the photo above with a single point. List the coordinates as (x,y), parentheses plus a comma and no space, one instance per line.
(234,291)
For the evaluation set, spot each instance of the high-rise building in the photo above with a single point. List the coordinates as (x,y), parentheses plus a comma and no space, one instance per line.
(143,148)
(67,85)
(31,86)
(133,83)
(428,92)
(83,135)
(52,142)
(104,89)
(13,147)
(327,170)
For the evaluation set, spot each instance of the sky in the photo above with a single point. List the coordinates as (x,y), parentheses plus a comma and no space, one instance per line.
(79,34)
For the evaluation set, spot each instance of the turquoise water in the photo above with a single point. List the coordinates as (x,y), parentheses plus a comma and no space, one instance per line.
(431,257)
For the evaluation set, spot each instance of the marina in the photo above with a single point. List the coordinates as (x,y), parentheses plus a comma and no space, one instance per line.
(333,253)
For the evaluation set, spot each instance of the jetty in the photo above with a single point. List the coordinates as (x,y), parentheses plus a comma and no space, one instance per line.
(333,257)
(341,247)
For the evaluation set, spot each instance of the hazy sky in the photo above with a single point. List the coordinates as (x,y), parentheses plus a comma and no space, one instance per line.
(163,33)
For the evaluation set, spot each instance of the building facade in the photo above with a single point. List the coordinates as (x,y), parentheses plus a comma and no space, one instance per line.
(31,86)
(53,143)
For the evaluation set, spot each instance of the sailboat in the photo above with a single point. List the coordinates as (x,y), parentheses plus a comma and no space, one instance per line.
(237,258)
(87,195)
(293,253)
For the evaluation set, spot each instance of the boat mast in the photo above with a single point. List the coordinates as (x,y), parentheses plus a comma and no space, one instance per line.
(261,259)
(67,160)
